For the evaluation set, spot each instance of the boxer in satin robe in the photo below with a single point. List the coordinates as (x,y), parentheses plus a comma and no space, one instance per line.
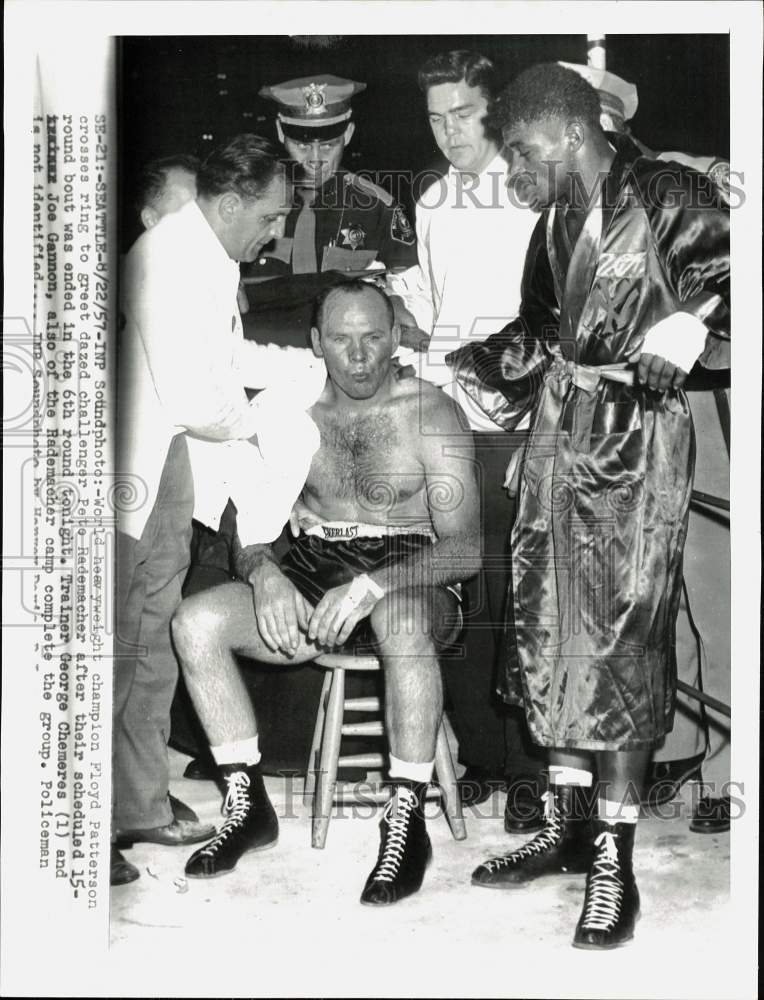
(627,277)
(605,482)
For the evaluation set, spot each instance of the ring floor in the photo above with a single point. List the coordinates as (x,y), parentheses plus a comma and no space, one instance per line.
(288,921)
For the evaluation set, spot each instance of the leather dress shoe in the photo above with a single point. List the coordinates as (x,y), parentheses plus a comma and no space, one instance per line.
(664,779)
(122,870)
(181,811)
(476,785)
(524,809)
(201,769)
(175,834)
(711,815)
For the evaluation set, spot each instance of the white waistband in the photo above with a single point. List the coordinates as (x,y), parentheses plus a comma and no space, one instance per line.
(342,531)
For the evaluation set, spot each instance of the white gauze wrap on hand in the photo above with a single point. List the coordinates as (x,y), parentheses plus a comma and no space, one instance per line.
(679,338)
(359,588)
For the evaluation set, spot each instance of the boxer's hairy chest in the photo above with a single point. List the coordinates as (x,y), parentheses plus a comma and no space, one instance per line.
(367,466)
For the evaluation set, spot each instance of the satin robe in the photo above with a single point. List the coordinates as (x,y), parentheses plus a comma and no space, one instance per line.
(605,483)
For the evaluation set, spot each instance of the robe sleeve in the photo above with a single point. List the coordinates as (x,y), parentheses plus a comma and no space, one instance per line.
(503,374)
(691,233)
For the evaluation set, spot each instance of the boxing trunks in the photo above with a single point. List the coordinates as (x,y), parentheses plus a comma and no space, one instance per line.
(331,554)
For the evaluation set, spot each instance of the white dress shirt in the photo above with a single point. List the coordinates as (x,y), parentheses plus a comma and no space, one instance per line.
(183,366)
(471,243)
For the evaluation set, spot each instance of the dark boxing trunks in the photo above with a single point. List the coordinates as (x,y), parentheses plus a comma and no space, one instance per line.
(315,565)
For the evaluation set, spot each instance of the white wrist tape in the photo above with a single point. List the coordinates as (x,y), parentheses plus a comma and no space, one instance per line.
(679,338)
(363,585)
(359,588)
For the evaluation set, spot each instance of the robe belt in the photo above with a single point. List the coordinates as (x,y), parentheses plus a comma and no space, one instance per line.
(538,456)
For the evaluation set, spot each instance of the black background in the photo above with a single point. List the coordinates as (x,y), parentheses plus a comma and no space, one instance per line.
(176,90)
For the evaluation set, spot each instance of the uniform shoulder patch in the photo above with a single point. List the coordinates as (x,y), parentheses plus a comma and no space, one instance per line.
(719,172)
(364,184)
(400,227)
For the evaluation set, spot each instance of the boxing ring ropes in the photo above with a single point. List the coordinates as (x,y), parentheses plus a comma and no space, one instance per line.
(596,58)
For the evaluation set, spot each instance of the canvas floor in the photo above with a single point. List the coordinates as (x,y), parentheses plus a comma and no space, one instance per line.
(288,921)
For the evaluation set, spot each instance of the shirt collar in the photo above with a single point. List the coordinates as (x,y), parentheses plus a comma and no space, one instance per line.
(497,165)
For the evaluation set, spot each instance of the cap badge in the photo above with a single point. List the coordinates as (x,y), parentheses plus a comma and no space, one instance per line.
(314,97)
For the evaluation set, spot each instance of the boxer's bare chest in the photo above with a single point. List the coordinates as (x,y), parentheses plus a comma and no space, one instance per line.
(366,467)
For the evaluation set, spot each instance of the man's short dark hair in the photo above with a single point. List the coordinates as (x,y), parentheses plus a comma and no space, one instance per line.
(356,287)
(153,178)
(458,65)
(547,90)
(246,166)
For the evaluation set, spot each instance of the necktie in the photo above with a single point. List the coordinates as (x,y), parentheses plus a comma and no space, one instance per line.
(304,251)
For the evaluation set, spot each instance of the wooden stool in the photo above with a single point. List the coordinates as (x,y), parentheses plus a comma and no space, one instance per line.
(321,773)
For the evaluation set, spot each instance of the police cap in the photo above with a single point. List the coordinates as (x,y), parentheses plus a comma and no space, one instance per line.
(618,98)
(313,107)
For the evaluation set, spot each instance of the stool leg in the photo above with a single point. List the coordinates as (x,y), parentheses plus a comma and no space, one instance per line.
(326,779)
(446,776)
(315,746)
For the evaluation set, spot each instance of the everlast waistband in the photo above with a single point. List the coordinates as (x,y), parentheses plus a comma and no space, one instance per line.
(343,531)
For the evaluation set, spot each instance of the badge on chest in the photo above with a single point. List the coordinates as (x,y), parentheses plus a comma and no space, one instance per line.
(352,236)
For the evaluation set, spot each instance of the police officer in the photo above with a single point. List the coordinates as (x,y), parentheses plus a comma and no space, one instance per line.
(342,223)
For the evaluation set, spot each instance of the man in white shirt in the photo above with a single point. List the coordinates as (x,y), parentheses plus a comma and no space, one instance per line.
(183,368)
(472,238)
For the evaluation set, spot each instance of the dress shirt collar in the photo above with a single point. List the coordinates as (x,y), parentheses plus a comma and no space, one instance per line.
(498,165)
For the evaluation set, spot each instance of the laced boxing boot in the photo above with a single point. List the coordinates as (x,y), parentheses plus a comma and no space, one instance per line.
(250,823)
(611,903)
(404,851)
(563,847)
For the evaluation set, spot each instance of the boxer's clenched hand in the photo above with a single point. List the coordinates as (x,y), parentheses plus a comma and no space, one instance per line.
(280,609)
(658,373)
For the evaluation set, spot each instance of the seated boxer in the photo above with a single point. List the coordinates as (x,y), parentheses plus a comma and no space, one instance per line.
(392,504)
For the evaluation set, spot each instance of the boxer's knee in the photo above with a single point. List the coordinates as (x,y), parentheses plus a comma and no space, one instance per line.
(404,620)
(198,622)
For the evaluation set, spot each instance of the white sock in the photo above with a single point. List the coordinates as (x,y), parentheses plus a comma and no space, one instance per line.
(241,752)
(559,774)
(421,773)
(612,812)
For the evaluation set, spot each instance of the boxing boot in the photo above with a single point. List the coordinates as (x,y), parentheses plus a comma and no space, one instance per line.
(611,903)
(404,851)
(250,823)
(563,847)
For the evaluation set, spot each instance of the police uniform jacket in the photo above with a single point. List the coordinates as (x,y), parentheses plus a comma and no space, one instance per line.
(357,222)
